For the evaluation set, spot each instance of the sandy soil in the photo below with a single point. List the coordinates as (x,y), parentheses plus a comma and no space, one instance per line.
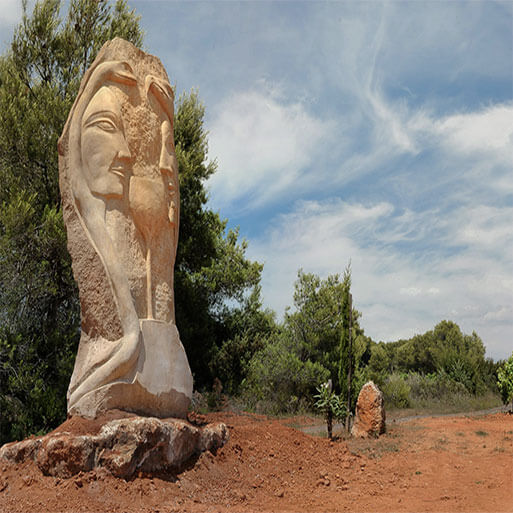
(449,464)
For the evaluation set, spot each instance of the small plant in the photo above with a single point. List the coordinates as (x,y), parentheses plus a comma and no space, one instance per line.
(330,405)
(481,433)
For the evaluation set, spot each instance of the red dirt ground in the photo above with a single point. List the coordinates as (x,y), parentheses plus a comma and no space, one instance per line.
(430,465)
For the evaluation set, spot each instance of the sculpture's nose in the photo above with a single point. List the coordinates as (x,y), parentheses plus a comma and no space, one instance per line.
(124,154)
(167,163)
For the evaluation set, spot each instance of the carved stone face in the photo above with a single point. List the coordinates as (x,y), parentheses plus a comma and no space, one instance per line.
(121,205)
(105,153)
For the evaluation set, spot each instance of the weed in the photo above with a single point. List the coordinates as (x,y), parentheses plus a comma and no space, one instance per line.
(374,449)
(418,472)
(321,433)
(441,443)
(459,433)
(498,449)
(481,433)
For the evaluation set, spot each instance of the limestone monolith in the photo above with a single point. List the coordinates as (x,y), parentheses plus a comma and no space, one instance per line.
(118,177)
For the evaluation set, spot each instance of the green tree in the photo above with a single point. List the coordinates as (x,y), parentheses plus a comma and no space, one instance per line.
(250,328)
(39,310)
(444,351)
(213,277)
(278,380)
(505,381)
(317,321)
(311,346)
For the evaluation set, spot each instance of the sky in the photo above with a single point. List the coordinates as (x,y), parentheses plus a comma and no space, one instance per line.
(376,133)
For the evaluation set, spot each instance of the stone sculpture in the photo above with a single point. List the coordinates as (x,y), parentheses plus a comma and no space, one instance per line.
(118,178)
(370,412)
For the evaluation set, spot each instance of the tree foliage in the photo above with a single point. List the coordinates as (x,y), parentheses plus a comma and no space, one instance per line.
(311,347)
(444,351)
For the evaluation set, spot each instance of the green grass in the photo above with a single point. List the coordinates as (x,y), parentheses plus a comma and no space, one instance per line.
(458,404)
(447,405)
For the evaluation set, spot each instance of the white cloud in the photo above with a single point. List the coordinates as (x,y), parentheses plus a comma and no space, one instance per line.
(263,144)
(410,291)
(487,132)
(399,292)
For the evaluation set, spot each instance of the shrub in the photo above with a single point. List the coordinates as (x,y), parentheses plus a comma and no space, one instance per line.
(396,391)
(505,381)
(435,387)
(278,381)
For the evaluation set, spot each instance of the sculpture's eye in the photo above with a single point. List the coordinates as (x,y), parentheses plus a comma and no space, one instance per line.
(106,121)
(104,124)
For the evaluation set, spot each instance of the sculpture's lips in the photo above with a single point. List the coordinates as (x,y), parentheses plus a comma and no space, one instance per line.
(120,171)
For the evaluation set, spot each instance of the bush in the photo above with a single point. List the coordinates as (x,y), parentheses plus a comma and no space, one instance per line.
(505,381)
(396,391)
(278,381)
(435,387)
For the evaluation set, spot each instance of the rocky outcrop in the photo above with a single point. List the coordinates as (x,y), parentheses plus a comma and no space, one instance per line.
(370,412)
(122,447)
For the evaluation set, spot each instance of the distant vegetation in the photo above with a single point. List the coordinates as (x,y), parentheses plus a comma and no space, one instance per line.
(238,352)
(442,369)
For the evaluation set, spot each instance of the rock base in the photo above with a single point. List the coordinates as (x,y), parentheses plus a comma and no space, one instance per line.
(121,446)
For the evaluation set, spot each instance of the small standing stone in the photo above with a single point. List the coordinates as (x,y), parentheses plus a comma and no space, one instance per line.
(370,412)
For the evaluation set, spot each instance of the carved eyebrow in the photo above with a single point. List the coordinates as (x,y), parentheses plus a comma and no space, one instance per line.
(163,92)
(95,116)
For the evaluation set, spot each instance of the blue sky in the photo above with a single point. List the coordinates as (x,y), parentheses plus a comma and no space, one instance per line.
(380,133)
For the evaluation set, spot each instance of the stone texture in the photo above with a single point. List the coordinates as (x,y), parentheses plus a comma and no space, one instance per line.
(118,177)
(370,412)
(122,447)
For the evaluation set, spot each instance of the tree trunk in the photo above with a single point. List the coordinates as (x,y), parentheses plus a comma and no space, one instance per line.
(329,423)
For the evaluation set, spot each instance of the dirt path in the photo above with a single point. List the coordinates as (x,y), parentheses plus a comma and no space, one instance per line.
(447,464)
(317,427)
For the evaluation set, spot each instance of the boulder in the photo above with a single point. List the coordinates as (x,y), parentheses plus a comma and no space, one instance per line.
(121,446)
(370,412)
